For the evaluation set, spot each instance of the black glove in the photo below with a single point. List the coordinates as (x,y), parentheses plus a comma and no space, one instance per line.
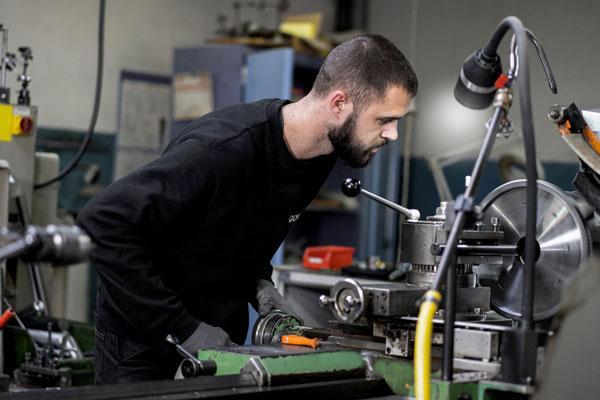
(269,299)
(206,336)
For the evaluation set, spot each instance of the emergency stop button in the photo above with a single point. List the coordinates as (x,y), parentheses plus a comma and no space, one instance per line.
(22,125)
(26,124)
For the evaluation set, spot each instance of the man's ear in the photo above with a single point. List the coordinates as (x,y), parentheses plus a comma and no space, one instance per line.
(340,104)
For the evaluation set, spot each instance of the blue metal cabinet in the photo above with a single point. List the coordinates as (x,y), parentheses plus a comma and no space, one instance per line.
(269,74)
(224,62)
(239,73)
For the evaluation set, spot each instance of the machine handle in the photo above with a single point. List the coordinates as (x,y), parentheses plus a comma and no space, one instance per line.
(351,187)
(6,317)
(300,341)
(191,366)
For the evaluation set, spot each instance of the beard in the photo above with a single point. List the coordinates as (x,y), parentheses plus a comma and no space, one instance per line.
(343,139)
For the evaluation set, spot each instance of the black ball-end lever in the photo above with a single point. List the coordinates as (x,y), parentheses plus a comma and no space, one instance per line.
(191,366)
(352,187)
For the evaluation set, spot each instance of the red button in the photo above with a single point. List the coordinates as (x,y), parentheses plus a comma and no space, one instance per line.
(26,124)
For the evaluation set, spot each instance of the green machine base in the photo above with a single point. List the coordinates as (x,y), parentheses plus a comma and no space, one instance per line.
(280,365)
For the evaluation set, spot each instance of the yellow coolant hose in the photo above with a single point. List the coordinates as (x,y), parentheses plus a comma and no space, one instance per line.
(422,366)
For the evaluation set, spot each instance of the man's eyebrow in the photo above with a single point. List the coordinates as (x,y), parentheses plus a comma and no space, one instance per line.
(390,118)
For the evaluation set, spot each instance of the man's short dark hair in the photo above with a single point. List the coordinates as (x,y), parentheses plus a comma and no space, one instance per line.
(366,67)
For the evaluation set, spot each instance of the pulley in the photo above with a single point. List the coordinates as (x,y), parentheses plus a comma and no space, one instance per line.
(562,246)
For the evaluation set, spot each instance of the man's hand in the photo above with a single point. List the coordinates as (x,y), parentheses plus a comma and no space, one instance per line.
(269,299)
(206,336)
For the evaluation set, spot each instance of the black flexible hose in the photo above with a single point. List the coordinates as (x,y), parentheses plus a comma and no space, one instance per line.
(531,186)
(432,297)
(530,166)
(96,108)
(530,159)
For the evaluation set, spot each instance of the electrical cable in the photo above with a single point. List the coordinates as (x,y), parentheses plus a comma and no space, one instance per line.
(98,94)
(544,60)
(542,56)
(530,173)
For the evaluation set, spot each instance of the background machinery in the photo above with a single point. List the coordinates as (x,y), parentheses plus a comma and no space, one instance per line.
(35,348)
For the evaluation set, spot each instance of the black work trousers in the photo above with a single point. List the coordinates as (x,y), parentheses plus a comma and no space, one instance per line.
(119,360)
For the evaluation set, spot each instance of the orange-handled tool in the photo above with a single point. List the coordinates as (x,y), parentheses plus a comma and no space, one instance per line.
(6,316)
(300,341)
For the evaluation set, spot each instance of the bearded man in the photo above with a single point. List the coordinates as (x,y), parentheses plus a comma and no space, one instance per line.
(185,242)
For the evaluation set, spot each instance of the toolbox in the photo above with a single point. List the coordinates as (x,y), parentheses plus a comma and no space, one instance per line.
(328,257)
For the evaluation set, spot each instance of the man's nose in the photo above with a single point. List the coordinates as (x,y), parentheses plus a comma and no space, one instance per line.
(390,133)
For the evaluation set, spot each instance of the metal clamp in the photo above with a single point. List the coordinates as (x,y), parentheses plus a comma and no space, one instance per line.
(464,203)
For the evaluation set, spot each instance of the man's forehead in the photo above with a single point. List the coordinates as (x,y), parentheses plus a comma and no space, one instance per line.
(396,92)
(397,100)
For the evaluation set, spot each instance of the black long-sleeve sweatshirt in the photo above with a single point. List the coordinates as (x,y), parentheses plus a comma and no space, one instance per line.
(184,238)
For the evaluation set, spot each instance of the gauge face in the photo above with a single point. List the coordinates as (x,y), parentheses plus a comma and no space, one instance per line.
(562,246)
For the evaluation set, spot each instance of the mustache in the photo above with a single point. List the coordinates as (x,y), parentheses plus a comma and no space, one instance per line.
(378,145)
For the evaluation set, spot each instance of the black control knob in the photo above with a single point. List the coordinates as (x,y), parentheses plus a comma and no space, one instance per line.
(191,368)
(351,187)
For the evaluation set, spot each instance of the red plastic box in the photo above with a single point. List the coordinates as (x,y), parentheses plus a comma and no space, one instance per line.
(328,257)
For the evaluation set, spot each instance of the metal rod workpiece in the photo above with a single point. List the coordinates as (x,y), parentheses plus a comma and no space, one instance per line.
(479,250)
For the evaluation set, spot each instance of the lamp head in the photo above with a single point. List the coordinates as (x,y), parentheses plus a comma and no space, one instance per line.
(475,87)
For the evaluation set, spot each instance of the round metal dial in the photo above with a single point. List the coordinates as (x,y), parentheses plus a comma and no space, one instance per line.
(563,242)
(348,300)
